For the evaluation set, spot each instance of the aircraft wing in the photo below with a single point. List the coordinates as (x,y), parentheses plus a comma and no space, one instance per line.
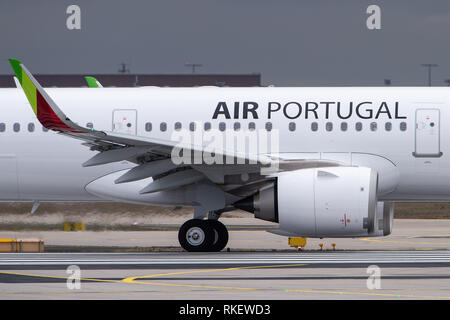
(113,146)
(154,156)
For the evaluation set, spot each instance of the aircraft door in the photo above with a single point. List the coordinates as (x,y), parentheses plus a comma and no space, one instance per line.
(427,134)
(125,121)
(8,182)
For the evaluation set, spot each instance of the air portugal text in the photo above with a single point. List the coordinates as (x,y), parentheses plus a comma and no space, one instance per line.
(307,110)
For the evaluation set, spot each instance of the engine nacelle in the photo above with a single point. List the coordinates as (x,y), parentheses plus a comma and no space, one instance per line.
(324,202)
(384,219)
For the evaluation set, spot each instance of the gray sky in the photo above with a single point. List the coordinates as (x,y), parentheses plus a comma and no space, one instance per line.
(290,42)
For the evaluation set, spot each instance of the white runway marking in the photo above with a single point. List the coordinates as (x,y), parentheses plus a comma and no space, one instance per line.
(225,258)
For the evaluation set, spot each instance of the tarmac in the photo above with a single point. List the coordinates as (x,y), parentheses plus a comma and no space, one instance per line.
(412,263)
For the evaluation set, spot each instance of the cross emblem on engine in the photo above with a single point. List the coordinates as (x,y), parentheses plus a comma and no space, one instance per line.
(345,220)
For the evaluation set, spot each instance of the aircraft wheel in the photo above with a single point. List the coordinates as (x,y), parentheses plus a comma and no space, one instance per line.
(196,235)
(220,235)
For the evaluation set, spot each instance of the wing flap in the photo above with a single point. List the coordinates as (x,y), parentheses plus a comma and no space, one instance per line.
(146,170)
(173,181)
(113,155)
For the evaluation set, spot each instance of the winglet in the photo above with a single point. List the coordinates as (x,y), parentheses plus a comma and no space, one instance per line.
(92,82)
(15,64)
(46,110)
(17,83)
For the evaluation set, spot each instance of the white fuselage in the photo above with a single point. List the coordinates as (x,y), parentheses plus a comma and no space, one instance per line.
(47,166)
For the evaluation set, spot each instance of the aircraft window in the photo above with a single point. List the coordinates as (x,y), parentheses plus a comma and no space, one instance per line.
(314,126)
(388,126)
(148,126)
(192,126)
(31,127)
(90,125)
(373,126)
(163,126)
(329,126)
(291,126)
(269,126)
(207,126)
(344,126)
(177,126)
(44,129)
(237,126)
(358,126)
(16,127)
(2,127)
(222,126)
(403,126)
(251,126)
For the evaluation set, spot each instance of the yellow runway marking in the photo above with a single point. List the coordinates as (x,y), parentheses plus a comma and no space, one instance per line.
(133,279)
(214,270)
(91,292)
(437,236)
(55,277)
(405,242)
(367,294)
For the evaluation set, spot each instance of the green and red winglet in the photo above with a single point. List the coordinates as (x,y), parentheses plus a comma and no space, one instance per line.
(46,110)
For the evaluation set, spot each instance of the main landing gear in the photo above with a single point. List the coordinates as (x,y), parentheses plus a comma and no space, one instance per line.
(197,235)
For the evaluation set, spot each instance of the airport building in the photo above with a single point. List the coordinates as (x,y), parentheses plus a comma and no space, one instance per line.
(139,80)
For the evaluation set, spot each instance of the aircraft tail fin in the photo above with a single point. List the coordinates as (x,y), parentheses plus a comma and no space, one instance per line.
(92,82)
(46,110)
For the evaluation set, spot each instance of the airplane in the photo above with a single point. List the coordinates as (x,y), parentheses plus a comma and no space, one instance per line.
(320,162)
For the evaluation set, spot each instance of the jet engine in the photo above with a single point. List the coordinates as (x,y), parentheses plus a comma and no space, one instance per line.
(323,202)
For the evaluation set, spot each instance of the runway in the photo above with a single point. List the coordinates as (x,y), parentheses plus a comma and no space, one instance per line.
(413,262)
(438,258)
(228,275)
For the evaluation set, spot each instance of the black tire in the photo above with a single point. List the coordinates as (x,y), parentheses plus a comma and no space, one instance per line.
(196,235)
(220,235)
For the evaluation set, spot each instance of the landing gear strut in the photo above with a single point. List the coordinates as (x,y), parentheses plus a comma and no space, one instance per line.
(197,235)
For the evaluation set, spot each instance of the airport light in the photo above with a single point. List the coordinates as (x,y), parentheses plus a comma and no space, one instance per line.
(429,66)
(193,66)
(123,68)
